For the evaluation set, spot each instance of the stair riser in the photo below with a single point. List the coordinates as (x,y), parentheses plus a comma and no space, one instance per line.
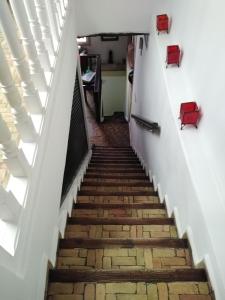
(118,177)
(133,193)
(116,161)
(119,213)
(111,189)
(118,199)
(121,221)
(122,176)
(122,243)
(116,183)
(114,156)
(116,170)
(114,166)
(119,206)
(124,276)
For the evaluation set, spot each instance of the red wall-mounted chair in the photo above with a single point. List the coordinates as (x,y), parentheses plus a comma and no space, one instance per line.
(173,55)
(162,23)
(189,114)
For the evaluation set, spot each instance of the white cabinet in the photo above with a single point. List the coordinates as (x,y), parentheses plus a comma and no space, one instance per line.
(113,91)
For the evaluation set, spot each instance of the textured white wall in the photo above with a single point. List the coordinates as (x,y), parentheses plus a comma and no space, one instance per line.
(188,165)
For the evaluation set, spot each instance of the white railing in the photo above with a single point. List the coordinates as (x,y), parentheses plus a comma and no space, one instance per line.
(30,32)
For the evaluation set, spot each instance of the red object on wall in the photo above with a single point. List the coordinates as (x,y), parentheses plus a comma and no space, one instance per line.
(162,23)
(189,114)
(173,55)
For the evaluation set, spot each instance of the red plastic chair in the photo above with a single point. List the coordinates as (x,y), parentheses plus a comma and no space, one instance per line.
(173,55)
(162,23)
(189,114)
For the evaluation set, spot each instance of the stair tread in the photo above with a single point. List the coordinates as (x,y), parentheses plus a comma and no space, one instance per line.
(105,193)
(119,183)
(97,243)
(119,206)
(114,170)
(76,275)
(129,227)
(113,176)
(120,221)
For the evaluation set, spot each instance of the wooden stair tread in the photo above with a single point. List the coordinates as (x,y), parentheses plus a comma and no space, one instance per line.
(118,206)
(105,193)
(119,183)
(120,221)
(102,170)
(71,275)
(91,243)
(114,176)
(115,160)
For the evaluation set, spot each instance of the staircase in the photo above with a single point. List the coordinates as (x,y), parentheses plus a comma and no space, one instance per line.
(119,242)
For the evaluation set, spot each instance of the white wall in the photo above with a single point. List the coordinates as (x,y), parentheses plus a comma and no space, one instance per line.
(112,16)
(119,49)
(23,276)
(187,166)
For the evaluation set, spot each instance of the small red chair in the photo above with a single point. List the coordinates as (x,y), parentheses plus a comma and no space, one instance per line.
(173,55)
(189,114)
(162,23)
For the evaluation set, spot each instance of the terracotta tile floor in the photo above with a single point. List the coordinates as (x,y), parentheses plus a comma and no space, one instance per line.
(114,131)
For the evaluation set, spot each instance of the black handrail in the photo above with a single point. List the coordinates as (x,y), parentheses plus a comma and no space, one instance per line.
(98,88)
(148,125)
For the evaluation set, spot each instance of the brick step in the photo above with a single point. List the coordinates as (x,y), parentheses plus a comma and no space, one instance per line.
(115,160)
(70,275)
(71,243)
(124,259)
(111,147)
(117,183)
(119,206)
(117,199)
(103,193)
(120,221)
(114,166)
(112,176)
(125,290)
(120,180)
(112,189)
(113,150)
(120,213)
(120,231)
(115,170)
(114,157)
(118,152)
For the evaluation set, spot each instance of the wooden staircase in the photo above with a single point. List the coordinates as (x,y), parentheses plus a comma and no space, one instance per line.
(120,243)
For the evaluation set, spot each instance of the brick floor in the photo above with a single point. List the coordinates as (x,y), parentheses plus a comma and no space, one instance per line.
(113,131)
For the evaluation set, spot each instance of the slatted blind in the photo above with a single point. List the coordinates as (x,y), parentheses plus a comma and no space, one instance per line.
(77,143)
